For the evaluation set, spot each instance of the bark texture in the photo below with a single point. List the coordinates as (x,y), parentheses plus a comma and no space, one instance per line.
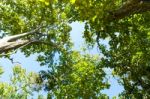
(13,42)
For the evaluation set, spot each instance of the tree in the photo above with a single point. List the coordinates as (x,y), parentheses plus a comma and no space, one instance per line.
(44,29)
(126,24)
(20,86)
(82,76)
(33,26)
(42,26)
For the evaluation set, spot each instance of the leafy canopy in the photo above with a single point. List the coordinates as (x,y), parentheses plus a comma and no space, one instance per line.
(21,84)
(82,76)
(124,23)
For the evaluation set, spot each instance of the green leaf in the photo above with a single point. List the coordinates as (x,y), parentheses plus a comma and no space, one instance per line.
(72,1)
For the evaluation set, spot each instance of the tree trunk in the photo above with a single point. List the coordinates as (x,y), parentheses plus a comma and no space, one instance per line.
(18,41)
(13,42)
(8,46)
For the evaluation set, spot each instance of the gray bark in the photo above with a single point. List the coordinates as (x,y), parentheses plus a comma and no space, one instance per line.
(18,41)
(8,46)
(13,42)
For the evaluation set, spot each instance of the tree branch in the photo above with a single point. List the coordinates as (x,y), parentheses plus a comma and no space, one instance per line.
(7,46)
(18,36)
(45,43)
(129,8)
(15,37)
(15,41)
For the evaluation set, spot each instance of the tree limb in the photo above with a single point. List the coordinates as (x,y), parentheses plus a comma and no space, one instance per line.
(7,46)
(15,37)
(129,8)
(15,41)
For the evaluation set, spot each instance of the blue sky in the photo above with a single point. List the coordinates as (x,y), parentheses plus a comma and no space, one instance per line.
(30,63)
(76,35)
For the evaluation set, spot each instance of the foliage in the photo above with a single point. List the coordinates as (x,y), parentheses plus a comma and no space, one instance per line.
(20,86)
(76,76)
(125,23)
(128,53)
(21,16)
